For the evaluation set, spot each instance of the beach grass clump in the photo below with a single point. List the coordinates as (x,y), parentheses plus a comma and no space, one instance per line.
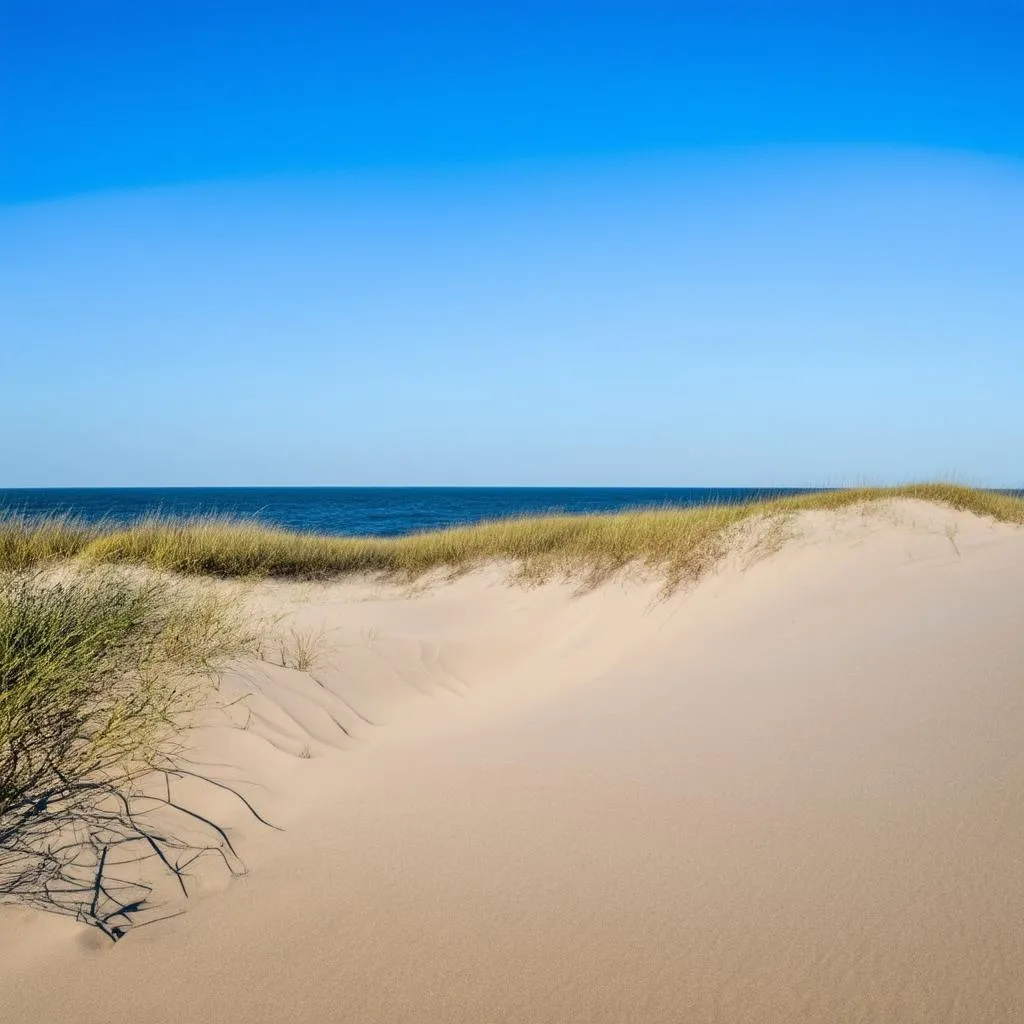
(96,667)
(682,541)
(27,541)
(1003,506)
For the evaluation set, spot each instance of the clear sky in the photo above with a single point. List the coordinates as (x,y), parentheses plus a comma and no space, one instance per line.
(754,242)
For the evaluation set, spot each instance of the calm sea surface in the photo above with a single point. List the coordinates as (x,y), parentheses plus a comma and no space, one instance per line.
(358,510)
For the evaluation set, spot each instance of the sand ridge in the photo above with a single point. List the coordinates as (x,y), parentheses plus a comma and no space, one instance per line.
(791,792)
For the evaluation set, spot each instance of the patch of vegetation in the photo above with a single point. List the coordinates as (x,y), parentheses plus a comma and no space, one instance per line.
(682,541)
(96,668)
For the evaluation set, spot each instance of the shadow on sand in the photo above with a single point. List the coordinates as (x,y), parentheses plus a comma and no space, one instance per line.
(113,853)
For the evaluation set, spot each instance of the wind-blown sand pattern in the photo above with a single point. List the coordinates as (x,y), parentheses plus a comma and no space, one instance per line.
(791,792)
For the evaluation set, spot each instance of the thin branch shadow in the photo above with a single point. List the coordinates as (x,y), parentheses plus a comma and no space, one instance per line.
(85,849)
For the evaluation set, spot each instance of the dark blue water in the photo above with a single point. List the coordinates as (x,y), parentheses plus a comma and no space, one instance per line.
(359,510)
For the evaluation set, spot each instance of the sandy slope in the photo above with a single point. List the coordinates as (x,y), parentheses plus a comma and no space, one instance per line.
(794,793)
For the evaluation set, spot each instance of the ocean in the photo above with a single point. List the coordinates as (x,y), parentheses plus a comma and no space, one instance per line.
(380,511)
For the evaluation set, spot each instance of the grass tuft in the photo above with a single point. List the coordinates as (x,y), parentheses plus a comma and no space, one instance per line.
(91,670)
(27,541)
(96,668)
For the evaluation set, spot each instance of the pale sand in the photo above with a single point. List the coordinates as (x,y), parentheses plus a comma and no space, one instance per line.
(794,792)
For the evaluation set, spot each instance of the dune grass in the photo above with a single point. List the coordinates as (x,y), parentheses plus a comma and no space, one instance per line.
(96,666)
(90,672)
(26,542)
(683,541)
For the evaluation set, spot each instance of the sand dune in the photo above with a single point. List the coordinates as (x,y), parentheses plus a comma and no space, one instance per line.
(793,792)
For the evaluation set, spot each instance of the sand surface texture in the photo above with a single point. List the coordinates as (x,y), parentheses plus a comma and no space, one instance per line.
(793,792)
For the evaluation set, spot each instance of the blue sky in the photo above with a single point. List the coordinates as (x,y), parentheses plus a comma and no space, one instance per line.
(733,243)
